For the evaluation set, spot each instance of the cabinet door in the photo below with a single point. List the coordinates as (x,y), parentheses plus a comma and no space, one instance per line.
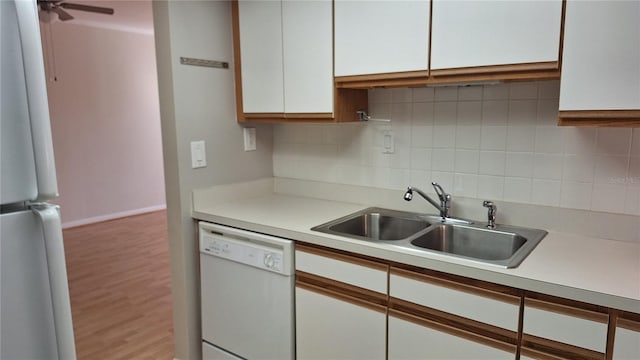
(418,339)
(260,24)
(626,344)
(331,328)
(601,58)
(308,56)
(484,33)
(373,37)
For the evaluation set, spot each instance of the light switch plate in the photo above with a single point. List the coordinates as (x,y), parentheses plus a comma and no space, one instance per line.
(388,142)
(198,154)
(249,139)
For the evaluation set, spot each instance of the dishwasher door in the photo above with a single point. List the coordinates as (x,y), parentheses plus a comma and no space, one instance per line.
(247,288)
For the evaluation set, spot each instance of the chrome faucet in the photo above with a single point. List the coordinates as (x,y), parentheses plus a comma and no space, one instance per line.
(445,199)
(491,223)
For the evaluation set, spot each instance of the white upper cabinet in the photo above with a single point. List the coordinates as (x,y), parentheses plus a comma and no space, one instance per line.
(485,33)
(261,56)
(286,56)
(373,37)
(308,56)
(601,58)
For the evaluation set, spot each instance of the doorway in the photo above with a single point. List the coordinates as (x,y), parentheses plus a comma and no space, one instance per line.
(103,100)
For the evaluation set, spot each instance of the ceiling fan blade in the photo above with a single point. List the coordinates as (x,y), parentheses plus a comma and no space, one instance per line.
(48,2)
(63,15)
(47,5)
(81,7)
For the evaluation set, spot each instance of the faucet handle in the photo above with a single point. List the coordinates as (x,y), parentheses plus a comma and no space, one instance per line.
(445,199)
(440,191)
(491,216)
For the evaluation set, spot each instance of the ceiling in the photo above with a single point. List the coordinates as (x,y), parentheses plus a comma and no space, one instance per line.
(129,15)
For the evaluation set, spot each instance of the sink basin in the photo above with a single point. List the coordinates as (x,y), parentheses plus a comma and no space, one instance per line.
(376,224)
(471,242)
(505,246)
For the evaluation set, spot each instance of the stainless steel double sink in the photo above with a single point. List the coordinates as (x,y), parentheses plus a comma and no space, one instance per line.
(504,246)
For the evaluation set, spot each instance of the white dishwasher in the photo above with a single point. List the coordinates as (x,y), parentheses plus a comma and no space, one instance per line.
(247,288)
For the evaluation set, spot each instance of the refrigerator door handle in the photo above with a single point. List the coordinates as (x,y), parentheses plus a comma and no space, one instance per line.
(36,84)
(52,227)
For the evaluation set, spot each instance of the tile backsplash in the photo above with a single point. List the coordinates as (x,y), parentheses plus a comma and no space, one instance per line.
(497,142)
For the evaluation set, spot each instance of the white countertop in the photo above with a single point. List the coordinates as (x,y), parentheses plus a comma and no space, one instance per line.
(597,271)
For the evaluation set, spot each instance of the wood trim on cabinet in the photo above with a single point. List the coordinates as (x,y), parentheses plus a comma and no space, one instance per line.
(633,317)
(520,327)
(622,118)
(497,69)
(539,355)
(492,291)
(381,76)
(342,256)
(557,349)
(260,117)
(452,324)
(563,16)
(628,324)
(515,72)
(611,334)
(341,291)
(287,117)
(237,67)
(567,307)
(430,37)
(347,102)
(308,115)
(398,79)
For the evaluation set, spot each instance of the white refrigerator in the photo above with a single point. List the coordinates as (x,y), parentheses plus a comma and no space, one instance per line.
(35,312)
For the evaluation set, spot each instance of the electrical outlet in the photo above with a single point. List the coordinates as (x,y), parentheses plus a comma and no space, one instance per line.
(198,154)
(249,139)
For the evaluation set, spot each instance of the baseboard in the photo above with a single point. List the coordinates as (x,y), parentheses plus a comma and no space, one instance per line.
(91,220)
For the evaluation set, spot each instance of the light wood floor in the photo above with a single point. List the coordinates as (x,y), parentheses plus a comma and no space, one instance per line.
(120,289)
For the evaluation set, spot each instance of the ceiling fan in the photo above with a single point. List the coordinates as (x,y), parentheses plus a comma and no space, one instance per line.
(58,7)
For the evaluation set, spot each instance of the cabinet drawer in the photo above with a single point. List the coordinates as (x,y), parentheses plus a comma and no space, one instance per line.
(565,324)
(487,306)
(350,270)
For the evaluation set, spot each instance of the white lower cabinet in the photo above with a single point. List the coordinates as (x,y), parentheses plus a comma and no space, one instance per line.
(330,328)
(419,340)
(356,307)
(627,339)
(341,310)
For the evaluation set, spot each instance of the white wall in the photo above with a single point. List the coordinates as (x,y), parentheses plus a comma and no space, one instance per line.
(105,120)
(198,103)
(496,142)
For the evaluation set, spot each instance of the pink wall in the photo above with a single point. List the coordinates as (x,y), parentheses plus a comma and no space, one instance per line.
(105,120)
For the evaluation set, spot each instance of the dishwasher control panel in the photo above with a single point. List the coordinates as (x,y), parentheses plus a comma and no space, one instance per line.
(242,251)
